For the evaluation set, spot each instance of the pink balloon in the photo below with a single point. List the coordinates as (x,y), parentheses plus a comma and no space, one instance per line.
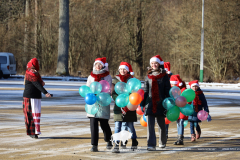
(141,92)
(132,107)
(202,115)
(105,85)
(180,101)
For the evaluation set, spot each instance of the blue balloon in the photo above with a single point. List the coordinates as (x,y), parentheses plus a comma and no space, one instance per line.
(144,118)
(133,85)
(168,103)
(104,99)
(84,90)
(91,109)
(121,88)
(175,92)
(187,110)
(122,100)
(185,123)
(96,87)
(90,98)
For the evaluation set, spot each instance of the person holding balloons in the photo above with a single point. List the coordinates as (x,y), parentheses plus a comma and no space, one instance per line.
(199,103)
(156,88)
(100,72)
(124,117)
(175,80)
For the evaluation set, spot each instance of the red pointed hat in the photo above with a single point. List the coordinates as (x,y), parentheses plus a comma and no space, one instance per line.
(193,83)
(175,79)
(33,63)
(158,59)
(167,67)
(126,66)
(102,61)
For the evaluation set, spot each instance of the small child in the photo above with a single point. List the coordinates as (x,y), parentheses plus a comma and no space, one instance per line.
(124,119)
(100,72)
(199,103)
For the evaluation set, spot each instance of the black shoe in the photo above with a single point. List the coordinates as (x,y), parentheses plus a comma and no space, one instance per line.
(109,145)
(134,144)
(179,140)
(94,148)
(34,136)
(116,149)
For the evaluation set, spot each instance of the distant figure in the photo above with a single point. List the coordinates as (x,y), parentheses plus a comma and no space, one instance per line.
(32,98)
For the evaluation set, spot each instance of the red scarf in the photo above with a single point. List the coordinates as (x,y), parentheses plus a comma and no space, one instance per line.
(124,78)
(155,90)
(197,101)
(98,77)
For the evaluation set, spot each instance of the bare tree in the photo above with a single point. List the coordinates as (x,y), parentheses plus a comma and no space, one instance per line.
(63,42)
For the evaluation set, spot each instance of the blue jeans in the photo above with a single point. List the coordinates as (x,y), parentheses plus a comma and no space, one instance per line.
(167,125)
(117,129)
(192,125)
(129,126)
(180,126)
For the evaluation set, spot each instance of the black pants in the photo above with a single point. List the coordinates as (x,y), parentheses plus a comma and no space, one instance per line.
(94,130)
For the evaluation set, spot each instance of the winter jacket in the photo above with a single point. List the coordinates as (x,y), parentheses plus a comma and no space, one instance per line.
(203,105)
(103,112)
(163,88)
(130,116)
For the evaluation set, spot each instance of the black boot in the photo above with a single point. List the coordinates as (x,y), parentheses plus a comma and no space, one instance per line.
(109,145)
(179,140)
(94,148)
(116,149)
(134,144)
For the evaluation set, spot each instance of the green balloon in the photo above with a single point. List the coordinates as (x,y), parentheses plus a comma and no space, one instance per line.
(173,113)
(84,90)
(187,110)
(133,85)
(96,87)
(91,109)
(122,100)
(168,103)
(189,94)
(104,99)
(185,123)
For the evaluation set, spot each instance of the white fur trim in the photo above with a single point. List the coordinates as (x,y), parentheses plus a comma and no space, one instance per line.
(132,73)
(154,59)
(169,72)
(124,67)
(106,64)
(195,84)
(99,62)
(173,82)
(180,84)
(166,69)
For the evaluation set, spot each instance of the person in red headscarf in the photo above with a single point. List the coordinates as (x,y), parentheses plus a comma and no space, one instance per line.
(156,89)
(100,72)
(123,117)
(199,104)
(175,80)
(32,98)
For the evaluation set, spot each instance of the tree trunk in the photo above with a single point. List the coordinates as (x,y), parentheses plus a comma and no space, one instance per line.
(63,42)
(36,28)
(26,34)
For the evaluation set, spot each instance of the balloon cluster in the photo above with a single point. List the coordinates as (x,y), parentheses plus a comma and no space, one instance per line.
(130,94)
(96,95)
(177,103)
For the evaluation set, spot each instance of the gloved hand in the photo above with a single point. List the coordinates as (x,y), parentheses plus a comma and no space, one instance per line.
(143,109)
(209,118)
(124,110)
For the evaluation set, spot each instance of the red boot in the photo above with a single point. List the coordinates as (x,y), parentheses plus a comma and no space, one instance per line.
(193,137)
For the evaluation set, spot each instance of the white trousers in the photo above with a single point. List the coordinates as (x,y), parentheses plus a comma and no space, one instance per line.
(36,113)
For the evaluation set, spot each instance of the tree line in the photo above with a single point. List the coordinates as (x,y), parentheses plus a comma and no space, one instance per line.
(124,30)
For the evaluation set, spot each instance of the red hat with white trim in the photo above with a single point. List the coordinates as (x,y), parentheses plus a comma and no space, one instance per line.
(158,59)
(167,67)
(175,79)
(126,66)
(193,83)
(102,61)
